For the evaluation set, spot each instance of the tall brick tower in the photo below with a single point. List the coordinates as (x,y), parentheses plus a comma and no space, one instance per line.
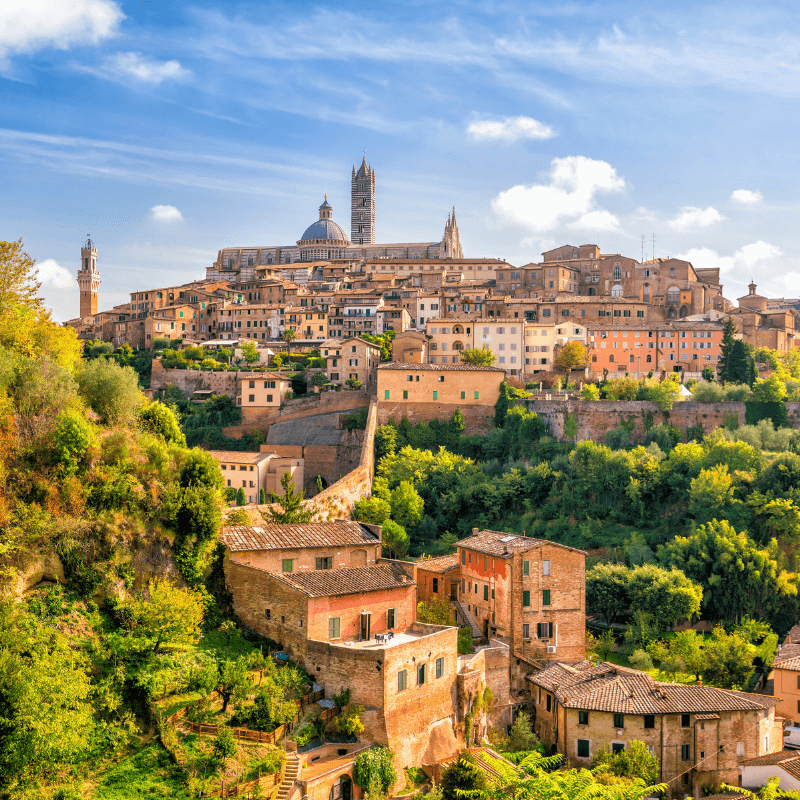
(88,279)
(362,195)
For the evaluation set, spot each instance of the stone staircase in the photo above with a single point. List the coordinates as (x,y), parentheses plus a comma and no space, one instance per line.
(293,765)
(465,617)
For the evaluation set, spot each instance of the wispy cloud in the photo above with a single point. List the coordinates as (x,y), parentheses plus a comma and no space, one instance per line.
(166,214)
(510,129)
(693,217)
(28,26)
(567,198)
(746,196)
(124,66)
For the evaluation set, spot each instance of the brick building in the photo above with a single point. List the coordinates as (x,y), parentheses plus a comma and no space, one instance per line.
(527,592)
(701,735)
(437,578)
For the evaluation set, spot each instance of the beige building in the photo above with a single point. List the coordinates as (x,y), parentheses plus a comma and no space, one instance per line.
(260,391)
(785,675)
(254,471)
(351,358)
(701,735)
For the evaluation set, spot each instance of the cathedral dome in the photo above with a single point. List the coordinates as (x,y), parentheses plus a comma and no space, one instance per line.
(324,229)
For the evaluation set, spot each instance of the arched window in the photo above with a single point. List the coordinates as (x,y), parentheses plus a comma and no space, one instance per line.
(611,358)
(616,290)
(458,346)
(458,329)
(671,314)
(649,359)
(684,312)
(592,291)
(673,294)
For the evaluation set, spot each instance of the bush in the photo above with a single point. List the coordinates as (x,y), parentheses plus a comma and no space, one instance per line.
(72,438)
(465,646)
(111,390)
(224,744)
(374,770)
(161,420)
(590,392)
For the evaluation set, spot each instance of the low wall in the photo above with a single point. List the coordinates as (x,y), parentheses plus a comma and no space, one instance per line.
(195,380)
(477,418)
(324,403)
(594,418)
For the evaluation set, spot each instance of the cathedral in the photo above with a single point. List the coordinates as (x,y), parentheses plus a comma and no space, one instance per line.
(326,240)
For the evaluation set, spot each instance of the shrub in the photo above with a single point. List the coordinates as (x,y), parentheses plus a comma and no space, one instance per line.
(111,390)
(72,438)
(465,646)
(590,392)
(224,744)
(374,769)
(161,420)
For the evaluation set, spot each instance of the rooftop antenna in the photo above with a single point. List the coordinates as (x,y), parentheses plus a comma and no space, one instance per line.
(642,248)
(654,247)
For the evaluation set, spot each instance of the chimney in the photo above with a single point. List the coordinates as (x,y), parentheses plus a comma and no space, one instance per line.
(476,531)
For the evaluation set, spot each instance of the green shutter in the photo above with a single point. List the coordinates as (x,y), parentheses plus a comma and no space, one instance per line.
(477,395)
(545,597)
(526,598)
(435,395)
(385,393)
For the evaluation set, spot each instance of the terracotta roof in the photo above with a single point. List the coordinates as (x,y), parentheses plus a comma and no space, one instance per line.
(771,758)
(438,367)
(239,456)
(355,580)
(793,637)
(788,658)
(498,543)
(611,688)
(706,716)
(288,537)
(440,564)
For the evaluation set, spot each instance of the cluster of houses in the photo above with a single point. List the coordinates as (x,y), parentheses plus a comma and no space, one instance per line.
(324,592)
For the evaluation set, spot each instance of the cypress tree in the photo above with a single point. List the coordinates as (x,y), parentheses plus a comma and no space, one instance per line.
(728,341)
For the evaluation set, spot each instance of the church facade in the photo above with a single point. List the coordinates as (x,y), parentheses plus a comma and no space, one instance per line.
(326,240)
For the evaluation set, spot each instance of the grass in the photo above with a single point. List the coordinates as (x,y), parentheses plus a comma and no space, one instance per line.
(149,772)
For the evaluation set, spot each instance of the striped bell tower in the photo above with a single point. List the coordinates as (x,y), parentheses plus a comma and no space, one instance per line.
(362,195)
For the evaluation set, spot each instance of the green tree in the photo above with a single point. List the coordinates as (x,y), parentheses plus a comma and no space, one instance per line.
(111,390)
(741,366)
(162,421)
(521,736)
(689,647)
(711,492)
(407,505)
(373,510)
(769,390)
(771,790)
(666,594)
(434,611)
(240,498)
(463,778)
(373,770)
(729,659)
(635,761)
(607,590)
(233,681)
(319,379)
(482,357)
(573,355)
(292,509)
(201,469)
(71,440)
(726,346)
(590,392)
(199,516)
(395,539)
(168,614)
(249,352)
(262,496)
(225,745)
(385,441)
(289,335)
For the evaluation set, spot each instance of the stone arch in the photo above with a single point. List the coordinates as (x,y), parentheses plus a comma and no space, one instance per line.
(458,345)
(673,294)
(616,290)
(684,312)
(592,291)
(458,329)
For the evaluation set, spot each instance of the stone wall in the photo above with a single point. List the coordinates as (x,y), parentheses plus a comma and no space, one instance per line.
(324,403)
(488,667)
(595,418)
(194,380)
(477,418)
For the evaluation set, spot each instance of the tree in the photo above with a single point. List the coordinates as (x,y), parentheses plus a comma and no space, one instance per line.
(72,438)
(741,365)
(708,374)
(201,469)
(666,594)
(292,507)
(225,745)
(573,355)
(233,681)
(240,498)
(726,345)
(689,647)
(771,790)
(354,383)
(711,492)
(374,510)
(111,390)
(769,390)
(729,659)
(249,352)
(395,539)
(385,441)
(168,614)
(373,770)
(607,590)
(434,611)
(162,421)
(262,496)
(462,777)
(319,379)
(289,335)
(407,505)
(482,357)
(590,392)
(521,736)
(635,761)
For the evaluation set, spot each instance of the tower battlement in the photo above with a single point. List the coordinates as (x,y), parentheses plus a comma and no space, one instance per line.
(88,279)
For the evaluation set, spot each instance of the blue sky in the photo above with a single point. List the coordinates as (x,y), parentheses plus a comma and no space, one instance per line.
(168,130)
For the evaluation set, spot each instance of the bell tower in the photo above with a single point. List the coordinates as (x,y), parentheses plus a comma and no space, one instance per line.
(362,196)
(88,279)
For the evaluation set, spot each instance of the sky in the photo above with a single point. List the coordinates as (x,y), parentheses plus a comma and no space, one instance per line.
(168,131)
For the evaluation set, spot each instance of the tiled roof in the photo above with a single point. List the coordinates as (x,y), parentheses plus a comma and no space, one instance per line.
(611,688)
(239,456)
(498,543)
(331,582)
(438,367)
(793,637)
(440,564)
(772,758)
(287,537)
(788,658)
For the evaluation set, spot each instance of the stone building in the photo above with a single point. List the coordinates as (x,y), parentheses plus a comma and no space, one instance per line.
(351,358)
(88,279)
(527,592)
(437,578)
(258,392)
(701,735)
(251,472)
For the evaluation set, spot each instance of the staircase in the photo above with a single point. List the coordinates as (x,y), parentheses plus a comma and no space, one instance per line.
(291,774)
(464,617)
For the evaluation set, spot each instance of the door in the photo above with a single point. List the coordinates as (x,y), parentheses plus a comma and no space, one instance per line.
(453,590)
(365,626)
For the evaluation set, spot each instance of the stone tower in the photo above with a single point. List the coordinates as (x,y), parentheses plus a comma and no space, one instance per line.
(88,279)
(451,244)
(362,194)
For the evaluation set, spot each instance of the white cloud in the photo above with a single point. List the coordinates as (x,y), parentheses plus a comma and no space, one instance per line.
(165,214)
(693,217)
(745,256)
(758,251)
(27,26)
(568,197)
(142,68)
(600,220)
(52,274)
(510,129)
(746,196)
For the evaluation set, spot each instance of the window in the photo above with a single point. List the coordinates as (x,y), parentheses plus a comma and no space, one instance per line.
(268,613)
(441,378)
(283,620)
(405,394)
(649,720)
(420,674)
(545,597)
(526,567)
(617,747)
(485,591)
(439,667)
(325,563)
(436,395)
(435,585)
(526,598)
(463,556)
(583,718)
(287,564)
(619,720)
(401,680)
(684,720)
(685,752)
(463,395)
(477,395)
(251,398)
(391,618)
(544,630)
(300,623)
(549,702)
(333,628)
(546,567)
(583,748)
(740,749)
(526,630)
(251,385)
(386,394)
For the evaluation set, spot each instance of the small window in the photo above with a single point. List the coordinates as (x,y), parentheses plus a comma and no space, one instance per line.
(583,718)
(251,398)
(485,591)
(283,619)
(526,598)
(549,703)
(420,674)
(401,680)
(684,720)
(526,630)
(268,613)
(463,395)
(685,752)
(386,394)
(617,747)
(440,667)
(436,395)
(546,567)
(526,568)
(463,556)
(477,395)
(583,748)
(333,627)
(300,623)
(544,630)
(391,618)
(287,564)
(405,394)
(619,720)
(740,749)
(441,379)
(435,585)
(325,563)
(649,720)
(545,597)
